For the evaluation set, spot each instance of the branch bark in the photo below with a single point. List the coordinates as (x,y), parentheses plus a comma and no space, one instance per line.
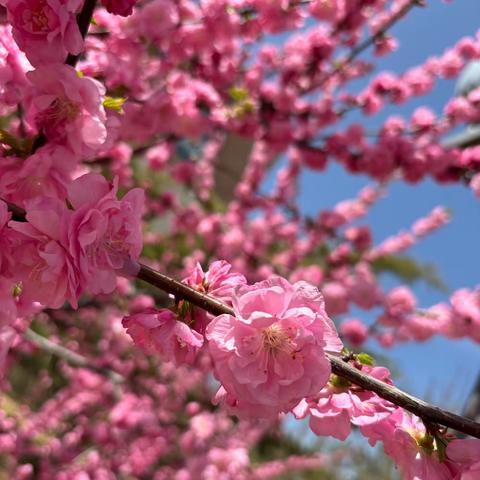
(72,358)
(83,20)
(414,405)
(180,291)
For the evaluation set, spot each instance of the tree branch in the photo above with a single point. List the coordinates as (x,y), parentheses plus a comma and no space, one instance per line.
(361,47)
(70,357)
(414,405)
(83,20)
(181,291)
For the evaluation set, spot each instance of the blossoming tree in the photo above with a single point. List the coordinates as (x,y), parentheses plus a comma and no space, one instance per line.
(153,328)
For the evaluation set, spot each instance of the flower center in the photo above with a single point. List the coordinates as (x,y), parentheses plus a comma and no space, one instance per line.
(39,18)
(61,110)
(275,338)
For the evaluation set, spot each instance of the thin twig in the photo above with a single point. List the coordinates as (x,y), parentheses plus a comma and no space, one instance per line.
(361,47)
(398,397)
(83,20)
(181,291)
(70,357)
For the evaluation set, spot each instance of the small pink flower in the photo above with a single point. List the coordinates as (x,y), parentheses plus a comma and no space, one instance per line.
(336,298)
(45,173)
(465,453)
(103,232)
(7,337)
(413,450)
(8,312)
(272,353)
(355,331)
(13,66)
(423,119)
(475,185)
(67,108)
(335,407)
(159,331)
(219,282)
(400,301)
(119,7)
(438,217)
(46,30)
(6,253)
(43,265)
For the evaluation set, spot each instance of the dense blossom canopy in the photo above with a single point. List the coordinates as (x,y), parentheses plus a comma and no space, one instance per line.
(122,124)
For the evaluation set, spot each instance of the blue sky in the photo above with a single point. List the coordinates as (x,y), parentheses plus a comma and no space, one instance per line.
(442,370)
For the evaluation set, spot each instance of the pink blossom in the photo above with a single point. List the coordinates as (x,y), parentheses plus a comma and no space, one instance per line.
(159,331)
(331,11)
(45,173)
(413,450)
(43,265)
(336,406)
(400,301)
(13,66)
(46,30)
(272,353)
(438,217)
(8,312)
(475,185)
(159,155)
(6,253)
(67,108)
(312,274)
(465,320)
(465,453)
(355,331)
(336,298)
(423,119)
(7,337)
(119,7)
(227,464)
(363,289)
(103,232)
(155,19)
(219,282)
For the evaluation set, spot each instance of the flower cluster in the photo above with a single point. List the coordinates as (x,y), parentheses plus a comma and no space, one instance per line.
(169,96)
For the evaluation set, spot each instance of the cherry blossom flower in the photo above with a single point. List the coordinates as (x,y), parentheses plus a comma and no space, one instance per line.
(119,7)
(67,108)
(46,30)
(466,454)
(42,264)
(340,404)
(159,331)
(103,232)
(272,353)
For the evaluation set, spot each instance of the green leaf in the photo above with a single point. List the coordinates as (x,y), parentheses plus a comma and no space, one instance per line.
(366,359)
(345,351)
(238,94)
(409,270)
(8,139)
(114,103)
(441,444)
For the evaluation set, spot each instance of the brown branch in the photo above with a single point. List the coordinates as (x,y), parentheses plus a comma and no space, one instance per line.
(18,213)
(424,410)
(83,20)
(361,47)
(70,357)
(414,405)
